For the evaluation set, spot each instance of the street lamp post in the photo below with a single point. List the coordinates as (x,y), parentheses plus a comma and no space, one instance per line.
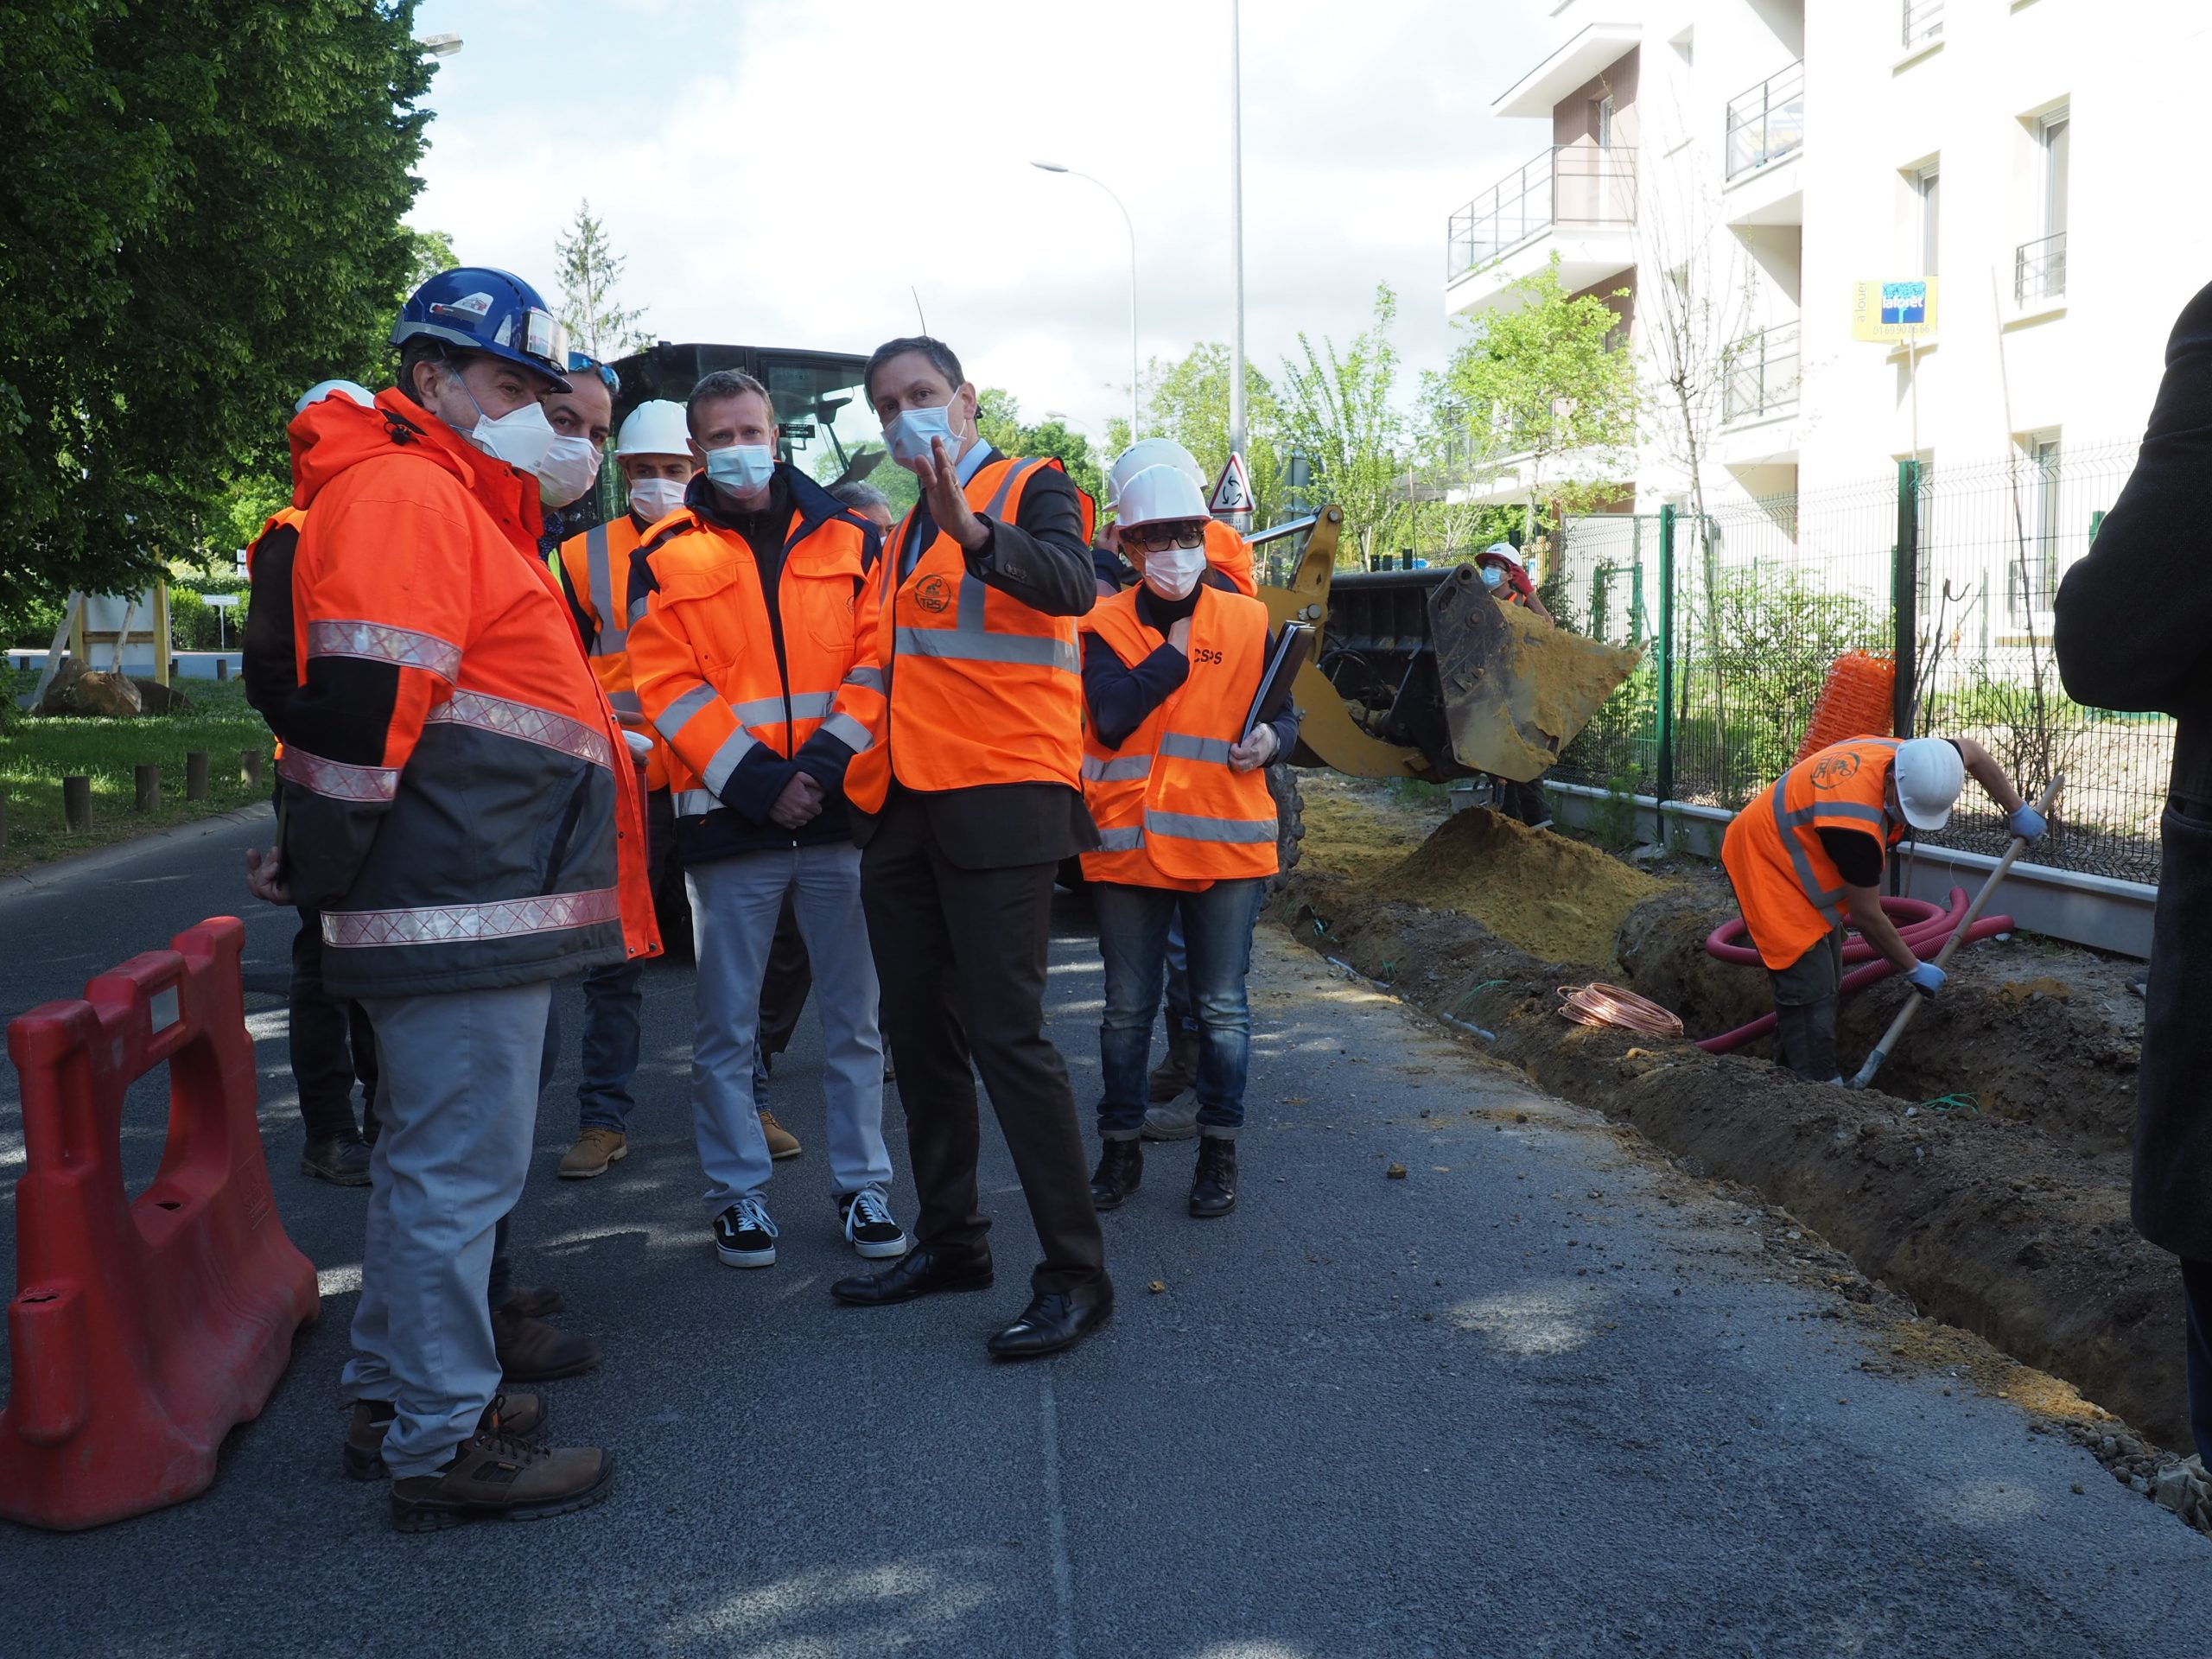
(1054,166)
(1236,239)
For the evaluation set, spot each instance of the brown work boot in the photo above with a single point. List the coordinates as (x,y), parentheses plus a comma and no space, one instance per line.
(512,1413)
(782,1143)
(1180,1070)
(595,1149)
(531,1350)
(498,1476)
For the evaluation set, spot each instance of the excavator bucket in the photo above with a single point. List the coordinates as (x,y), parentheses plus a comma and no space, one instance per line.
(1516,689)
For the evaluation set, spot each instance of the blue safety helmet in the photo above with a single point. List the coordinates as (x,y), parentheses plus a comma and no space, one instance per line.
(475,309)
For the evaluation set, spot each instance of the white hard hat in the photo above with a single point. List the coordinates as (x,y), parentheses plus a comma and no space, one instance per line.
(352,389)
(655,428)
(1161,494)
(1501,551)
(1147,452)
(1930,775)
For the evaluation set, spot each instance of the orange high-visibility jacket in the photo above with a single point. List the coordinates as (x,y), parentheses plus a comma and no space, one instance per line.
(595,572)
(1792,893)
(1171,810)
(1231,555)
(459,801)
(957,683)
(708,671)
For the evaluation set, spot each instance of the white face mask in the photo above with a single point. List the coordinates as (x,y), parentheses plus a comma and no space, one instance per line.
(566,470)
(654,499)
(908,435)
(741,468)
(1172,572)
(520,437)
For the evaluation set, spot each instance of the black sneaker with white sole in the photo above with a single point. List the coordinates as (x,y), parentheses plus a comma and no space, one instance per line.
(744,1236)
(870,1226)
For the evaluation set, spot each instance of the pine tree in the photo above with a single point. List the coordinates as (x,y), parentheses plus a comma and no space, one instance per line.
(590,311)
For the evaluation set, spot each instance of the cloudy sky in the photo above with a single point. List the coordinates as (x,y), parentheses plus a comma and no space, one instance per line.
(779,173)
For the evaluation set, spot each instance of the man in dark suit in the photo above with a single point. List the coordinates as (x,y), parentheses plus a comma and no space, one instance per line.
(2116,652)
(967,799)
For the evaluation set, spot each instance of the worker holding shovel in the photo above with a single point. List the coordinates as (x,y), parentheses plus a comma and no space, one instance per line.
(1806,859)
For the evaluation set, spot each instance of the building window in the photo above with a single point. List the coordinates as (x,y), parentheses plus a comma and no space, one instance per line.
(1924,23)
(1928,194)
(1604,122)
(2032,578)
(2039,264)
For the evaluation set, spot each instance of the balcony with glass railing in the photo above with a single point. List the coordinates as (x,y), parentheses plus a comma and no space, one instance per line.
(1923,23)
(1577,187)
(1762,375)
(1767,124)
(2039,270)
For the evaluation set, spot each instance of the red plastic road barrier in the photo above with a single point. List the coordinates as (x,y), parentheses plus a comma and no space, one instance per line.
(1919,924)
(142,1330)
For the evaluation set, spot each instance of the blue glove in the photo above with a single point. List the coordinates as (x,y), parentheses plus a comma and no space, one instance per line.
(1926,978)
(2027,823)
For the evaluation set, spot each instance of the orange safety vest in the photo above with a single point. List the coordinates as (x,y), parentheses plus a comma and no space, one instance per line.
(1792,893)
(1171,810)
(595,569)
(705,659)
(1231,555)
(965,686)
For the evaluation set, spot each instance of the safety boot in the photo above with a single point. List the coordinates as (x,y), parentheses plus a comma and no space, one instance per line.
(530,1351)
(512,1413)
(498,1476)
(1121,1171)
(1180,1070)
(1213,1184)
(341,1159)
(782,1143)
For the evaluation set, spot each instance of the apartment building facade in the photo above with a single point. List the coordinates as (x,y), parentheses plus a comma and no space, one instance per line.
(1773,155)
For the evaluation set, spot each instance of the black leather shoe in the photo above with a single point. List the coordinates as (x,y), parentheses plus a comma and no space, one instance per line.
(1213,1186)
(341,1159)
(920,1272)
(1121,1171)
(1050,1322)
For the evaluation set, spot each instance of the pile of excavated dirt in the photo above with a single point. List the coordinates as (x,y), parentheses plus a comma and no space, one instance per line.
(1559,901)
(2005,1214)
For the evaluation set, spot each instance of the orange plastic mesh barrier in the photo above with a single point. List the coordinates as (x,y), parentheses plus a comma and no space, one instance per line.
(1858,701)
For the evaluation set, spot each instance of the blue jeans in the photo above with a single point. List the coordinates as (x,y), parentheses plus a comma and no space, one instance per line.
(1132,925)
(613,1004)
(1179,1017)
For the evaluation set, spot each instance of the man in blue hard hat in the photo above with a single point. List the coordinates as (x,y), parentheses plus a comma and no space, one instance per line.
(459,804)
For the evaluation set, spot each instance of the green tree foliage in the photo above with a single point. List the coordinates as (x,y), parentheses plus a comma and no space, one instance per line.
(1544,377)
(587,270)
(1337,411)
(200,217)
(1187,400)
(998,419)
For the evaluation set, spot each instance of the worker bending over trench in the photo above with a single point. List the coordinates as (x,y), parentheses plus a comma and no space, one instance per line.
(1806,858)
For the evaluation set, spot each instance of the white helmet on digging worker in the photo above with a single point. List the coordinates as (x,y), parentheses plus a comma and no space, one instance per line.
(654,428)
(352,391)
(1146,454)
(1929,774)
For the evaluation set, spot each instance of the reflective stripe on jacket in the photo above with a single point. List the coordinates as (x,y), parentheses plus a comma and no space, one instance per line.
(720,681)
(1791,892)
(458,801)
(964,685)
(1171,810)
(594,571)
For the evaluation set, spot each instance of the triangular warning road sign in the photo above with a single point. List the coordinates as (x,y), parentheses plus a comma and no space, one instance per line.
(1232,491)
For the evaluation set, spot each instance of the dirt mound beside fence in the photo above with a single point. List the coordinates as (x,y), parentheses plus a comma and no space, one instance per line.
(1561,900)
(2007,1217)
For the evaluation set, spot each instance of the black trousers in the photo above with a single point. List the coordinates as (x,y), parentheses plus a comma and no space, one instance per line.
(962,956)
(783,987)
(1524,801)
(331,1043)
(1806,996)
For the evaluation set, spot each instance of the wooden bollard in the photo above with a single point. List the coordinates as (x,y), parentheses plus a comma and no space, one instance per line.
(3,823)
(77,804)
(222,668)
(195,775)
(149,787)
(249,767)
(176,668)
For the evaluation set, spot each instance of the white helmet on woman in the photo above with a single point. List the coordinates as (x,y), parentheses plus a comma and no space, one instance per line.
(1147,452)
(1160,495)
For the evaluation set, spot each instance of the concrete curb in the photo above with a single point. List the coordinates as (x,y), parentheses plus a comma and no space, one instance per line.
(41,878)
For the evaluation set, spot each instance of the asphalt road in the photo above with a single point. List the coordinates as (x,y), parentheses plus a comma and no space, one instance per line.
(1545,1395)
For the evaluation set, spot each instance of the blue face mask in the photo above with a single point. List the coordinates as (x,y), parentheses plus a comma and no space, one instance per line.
(741,468)
(1493,577)
(908,435)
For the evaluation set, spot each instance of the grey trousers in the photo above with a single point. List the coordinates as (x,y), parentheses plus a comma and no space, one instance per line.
(734,904)
(1806,994)
(457,1096)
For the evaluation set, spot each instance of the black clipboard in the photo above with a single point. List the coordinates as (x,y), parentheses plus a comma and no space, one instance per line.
(1292,646)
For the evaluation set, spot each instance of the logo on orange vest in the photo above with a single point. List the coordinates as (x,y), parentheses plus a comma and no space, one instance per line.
(933,594)
(1835,770)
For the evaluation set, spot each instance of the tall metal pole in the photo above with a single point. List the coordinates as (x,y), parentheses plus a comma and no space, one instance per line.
(1128,225)
(1236,237)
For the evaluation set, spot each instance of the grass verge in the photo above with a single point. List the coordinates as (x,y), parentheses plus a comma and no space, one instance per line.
(36,752)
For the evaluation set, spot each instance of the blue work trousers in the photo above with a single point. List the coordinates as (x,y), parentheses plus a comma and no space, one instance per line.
(1133,927)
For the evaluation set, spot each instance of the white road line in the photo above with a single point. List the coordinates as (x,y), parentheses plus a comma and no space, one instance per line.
(1055,1512)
